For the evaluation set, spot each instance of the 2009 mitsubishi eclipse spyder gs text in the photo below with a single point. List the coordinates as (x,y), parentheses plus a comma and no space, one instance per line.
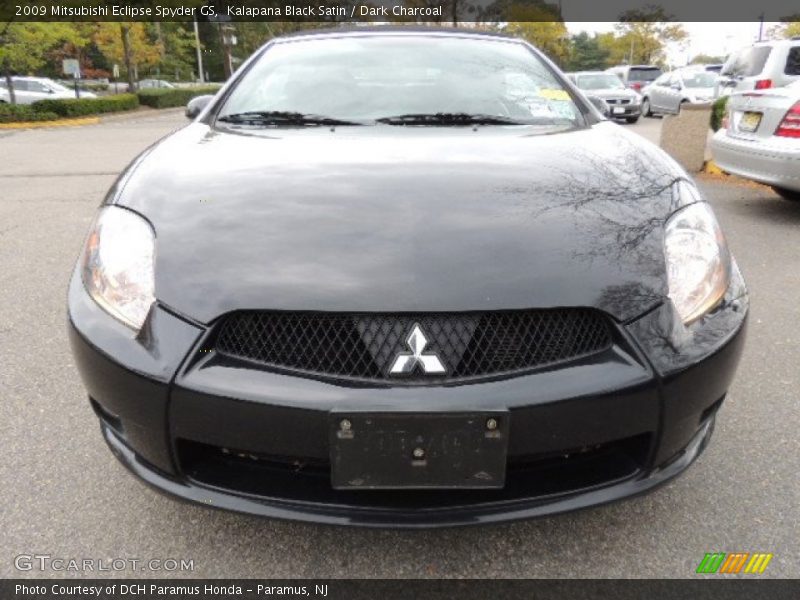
(405,278)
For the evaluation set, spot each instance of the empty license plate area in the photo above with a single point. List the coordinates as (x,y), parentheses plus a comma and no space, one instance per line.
(418,450)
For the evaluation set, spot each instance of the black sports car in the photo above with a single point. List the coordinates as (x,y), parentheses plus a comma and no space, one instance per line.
(405,278)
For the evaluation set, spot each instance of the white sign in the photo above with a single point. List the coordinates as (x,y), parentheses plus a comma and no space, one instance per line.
(71,66)
(116,71)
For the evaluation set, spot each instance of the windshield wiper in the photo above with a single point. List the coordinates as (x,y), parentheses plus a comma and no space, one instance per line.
(281,117)
(451,119)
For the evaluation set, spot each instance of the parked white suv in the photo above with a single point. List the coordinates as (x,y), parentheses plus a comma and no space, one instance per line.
(28,90)
(761,66)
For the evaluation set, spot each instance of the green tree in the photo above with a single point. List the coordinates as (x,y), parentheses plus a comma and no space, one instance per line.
(175,42)
(130,44)
(550,37)
(616,48)
(646,33)
(587,54)
(788,29)
(705,59)
(24,47)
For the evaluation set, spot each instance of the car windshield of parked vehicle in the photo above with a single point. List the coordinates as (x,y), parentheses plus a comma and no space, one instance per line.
(401,80)
(700,79)
(599,81)
(644,74)
(747,62)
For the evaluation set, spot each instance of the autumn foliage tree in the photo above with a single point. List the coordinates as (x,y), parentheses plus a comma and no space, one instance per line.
(644,35)
(128,44)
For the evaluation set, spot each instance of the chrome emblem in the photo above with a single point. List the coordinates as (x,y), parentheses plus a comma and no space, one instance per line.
(406,362)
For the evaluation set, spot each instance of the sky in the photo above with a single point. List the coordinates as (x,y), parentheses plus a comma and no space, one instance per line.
(716,39)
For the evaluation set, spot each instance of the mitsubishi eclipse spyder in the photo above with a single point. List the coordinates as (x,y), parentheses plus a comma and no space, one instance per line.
(405,278)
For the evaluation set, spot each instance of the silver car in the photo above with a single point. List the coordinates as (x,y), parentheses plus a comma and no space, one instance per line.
(761,138)
(623,103)
(667,93)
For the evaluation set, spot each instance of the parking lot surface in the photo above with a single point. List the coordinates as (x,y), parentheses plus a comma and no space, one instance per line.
(64,494)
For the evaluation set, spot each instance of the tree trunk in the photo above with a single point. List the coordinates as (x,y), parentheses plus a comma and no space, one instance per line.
(126,49)
(12,97)
(226,53)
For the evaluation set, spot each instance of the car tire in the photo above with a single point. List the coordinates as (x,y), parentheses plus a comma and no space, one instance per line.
(787,194)
(631,120)
(646,107)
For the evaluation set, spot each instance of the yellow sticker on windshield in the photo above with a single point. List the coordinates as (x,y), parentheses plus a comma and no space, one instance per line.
(554,94)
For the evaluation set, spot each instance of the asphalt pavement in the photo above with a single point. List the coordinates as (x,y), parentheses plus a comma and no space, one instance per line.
(63,494)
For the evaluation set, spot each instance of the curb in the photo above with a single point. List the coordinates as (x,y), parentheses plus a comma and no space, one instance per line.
(93,120)
(142,111)
(57,123)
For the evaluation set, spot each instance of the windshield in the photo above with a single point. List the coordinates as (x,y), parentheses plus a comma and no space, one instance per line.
(701,79)
(644,74)
(363,79)
(747,62)
(599,81)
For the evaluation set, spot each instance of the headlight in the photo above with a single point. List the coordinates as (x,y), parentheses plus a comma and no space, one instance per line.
(118,265)
(698,261)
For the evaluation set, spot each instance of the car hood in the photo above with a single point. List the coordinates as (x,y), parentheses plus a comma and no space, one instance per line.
(404,219)
(612,93)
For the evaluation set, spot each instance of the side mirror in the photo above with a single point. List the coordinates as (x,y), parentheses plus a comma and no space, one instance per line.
(196,105)
(677,87)
(600,105)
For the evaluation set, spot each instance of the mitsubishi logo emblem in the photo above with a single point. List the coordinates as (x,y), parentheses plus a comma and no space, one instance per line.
(406,362)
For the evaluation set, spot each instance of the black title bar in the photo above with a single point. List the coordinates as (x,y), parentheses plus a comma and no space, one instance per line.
(419,11)
(364,589)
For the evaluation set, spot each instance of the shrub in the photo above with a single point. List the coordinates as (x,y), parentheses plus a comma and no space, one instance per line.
(79,107)
(94,87)
(16,113)
(718,112)
(171,97)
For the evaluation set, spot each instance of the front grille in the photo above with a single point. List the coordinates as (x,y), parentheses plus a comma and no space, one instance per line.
(365,345)
(618,101)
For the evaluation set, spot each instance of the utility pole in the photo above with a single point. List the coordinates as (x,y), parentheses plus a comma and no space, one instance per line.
(761,27)
(199,53)
(228,39)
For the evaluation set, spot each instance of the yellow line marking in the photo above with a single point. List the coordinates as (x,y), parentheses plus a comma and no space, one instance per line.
(55,123)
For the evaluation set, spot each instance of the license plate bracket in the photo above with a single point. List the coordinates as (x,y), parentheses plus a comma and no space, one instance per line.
(374,451)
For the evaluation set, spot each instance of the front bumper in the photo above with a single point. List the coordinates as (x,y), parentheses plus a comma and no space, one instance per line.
(256,441)
(775,161)
(628,111)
